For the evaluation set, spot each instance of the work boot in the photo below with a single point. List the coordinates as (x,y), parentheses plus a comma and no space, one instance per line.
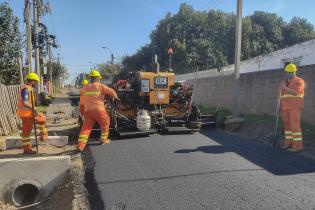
(29,152)
(294,150)
(103,142)
(79,149)
(285,146)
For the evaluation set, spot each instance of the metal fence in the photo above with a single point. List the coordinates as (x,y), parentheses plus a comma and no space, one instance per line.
(9,121)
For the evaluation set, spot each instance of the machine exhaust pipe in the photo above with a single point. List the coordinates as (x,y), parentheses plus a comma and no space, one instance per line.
(157,64)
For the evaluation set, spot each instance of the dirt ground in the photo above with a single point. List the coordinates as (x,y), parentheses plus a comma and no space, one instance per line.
(72,193)
(67,128)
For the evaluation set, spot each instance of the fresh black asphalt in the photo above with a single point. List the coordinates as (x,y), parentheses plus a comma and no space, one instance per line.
(208,170)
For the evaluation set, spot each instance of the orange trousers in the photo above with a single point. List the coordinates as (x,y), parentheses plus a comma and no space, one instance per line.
(27,126)
(90,117)
(292,126)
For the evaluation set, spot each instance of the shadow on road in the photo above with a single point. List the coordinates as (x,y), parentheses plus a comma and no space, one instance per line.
(206,149)
(274,160)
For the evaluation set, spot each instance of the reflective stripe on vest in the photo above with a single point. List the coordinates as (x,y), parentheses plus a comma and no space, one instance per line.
(96,92)
(292,96)
(23,108)
(91,93)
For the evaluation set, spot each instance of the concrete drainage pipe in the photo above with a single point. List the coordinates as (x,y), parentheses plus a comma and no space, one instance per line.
(23,193)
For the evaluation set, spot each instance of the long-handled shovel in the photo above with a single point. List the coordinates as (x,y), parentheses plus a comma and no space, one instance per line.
(275,139)
(34,121)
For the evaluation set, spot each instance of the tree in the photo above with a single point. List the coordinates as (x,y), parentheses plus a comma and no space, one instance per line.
(205,39)
(10,45)
(298,30)
(108,69)
(58,72)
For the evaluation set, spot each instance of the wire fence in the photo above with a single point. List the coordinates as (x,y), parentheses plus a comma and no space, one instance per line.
(9,121)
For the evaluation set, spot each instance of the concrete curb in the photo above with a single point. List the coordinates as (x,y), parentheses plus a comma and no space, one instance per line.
(16,142)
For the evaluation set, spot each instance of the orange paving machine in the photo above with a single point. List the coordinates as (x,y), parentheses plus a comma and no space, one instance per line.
(153,102)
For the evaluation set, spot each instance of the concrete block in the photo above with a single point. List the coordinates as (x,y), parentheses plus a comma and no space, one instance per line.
(58,117)
(64,122)
(233,123)
(16,142)
(65,108)
(28,180)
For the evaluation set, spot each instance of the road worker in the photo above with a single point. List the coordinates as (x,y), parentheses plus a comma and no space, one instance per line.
(84,82)
(25,112)
(292,103)
(92,96)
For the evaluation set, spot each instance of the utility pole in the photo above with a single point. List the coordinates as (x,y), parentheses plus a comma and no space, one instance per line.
(112,59)
(59,75)
(28,35)
(50,69)
(237,59)
(111,55)
(20,61)
(170,53)
(50,41)
(36,22)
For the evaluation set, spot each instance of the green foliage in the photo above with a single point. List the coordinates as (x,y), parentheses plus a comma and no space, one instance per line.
(298,30)
(206,39)
(10,45)
(254,118)
(58,71)
(108,70)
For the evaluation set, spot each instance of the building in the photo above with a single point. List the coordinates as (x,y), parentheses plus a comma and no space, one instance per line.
(302,54)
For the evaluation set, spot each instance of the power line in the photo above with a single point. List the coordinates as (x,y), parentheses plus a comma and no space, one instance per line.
(215,4)
(218,4)
(76,64)
(51,16)
(208,4)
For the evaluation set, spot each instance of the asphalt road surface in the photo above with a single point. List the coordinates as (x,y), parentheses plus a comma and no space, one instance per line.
(210,170)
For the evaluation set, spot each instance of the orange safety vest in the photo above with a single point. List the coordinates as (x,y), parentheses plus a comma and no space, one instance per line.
(91,97)
(291,101)
(23,111)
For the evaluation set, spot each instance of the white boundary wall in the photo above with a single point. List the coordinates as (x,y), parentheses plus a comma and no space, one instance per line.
(302,54)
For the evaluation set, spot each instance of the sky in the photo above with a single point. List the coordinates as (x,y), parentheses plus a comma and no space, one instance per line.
(83,27)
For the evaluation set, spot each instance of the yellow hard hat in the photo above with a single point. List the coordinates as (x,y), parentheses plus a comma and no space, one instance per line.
(32,76)
(95,73)
(84,82)
(291,68)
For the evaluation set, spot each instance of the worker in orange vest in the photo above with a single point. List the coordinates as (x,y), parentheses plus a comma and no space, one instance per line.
(92,104)
(25,112)
(84,82)
(292,103)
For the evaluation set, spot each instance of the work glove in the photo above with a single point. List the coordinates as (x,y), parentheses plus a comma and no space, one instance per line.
(114,98)
(40,119)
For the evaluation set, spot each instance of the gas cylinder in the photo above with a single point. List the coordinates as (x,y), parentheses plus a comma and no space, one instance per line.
(143,120)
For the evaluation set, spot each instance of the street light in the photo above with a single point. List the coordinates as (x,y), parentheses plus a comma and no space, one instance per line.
(93,65)
(111,54)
